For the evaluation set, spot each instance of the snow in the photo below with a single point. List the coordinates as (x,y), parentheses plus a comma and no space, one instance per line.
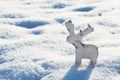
(33,42)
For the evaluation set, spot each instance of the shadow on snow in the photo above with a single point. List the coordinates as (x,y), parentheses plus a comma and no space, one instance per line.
(59,6)
(12,16)
(9,74)
(84,9)
(31,24)
(75,74)
(37,32)
(60,20)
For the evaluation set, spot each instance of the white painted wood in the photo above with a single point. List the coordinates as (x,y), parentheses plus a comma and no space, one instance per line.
(82,50)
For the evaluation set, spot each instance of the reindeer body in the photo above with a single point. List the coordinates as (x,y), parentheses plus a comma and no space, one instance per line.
(82,50)
(86,52)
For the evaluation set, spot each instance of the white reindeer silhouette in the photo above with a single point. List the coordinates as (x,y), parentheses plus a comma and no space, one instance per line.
(82,50)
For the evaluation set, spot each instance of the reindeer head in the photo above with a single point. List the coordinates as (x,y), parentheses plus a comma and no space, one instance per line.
(70,26)
(77,37)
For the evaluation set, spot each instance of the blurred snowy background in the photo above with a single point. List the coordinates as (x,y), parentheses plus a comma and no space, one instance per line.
(33,39)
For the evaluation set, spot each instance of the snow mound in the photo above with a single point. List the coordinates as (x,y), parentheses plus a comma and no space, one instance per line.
(33,39)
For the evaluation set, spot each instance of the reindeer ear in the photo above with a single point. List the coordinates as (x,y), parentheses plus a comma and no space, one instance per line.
(89,25)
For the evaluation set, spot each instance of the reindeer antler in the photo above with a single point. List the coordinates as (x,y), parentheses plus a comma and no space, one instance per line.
(70,26)
(88,30)
(89,25)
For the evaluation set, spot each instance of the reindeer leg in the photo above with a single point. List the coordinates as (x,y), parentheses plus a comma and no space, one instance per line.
(78,59)
(94,59)
(93,62)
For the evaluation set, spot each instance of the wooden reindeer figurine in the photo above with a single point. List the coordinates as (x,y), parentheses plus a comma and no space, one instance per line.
(82,50)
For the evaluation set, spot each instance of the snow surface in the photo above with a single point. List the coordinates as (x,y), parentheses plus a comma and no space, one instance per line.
(33,39)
